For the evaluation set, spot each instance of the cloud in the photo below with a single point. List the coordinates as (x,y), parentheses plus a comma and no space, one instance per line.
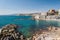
(9,12)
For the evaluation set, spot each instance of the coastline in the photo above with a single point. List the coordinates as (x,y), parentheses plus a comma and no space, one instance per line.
(53,20)
(49,34)
(40,34)
(49,19)
(0,30)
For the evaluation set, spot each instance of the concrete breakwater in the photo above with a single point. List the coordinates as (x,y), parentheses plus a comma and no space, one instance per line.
(10,32)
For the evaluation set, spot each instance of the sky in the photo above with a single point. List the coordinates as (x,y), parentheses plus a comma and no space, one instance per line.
(27,6)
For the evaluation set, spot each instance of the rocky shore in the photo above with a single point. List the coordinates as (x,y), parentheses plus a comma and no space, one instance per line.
(10,32)
(51,33)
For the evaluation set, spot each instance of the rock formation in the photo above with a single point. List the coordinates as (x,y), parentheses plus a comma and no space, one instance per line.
(10,32)
(52,33)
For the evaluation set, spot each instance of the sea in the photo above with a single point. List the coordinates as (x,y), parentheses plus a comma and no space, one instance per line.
(27,25)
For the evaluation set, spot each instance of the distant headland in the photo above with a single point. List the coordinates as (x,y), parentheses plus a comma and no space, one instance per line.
(49,15)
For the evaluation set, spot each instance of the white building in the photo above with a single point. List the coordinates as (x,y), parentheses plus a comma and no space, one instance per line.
(51,17)
(40,17)
(37,17)
(59,11)
(44,13)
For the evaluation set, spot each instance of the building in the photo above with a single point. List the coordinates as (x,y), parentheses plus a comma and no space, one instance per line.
(52,12)
(37,17)
(51,17)
(44,13)
(59,11)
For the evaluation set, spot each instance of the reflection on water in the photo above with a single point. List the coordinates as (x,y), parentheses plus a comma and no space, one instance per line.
(37,22)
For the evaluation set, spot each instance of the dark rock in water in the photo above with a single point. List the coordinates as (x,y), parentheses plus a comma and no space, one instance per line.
(10,32)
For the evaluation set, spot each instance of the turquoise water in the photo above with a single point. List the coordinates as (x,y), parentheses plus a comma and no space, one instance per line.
(26,25)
